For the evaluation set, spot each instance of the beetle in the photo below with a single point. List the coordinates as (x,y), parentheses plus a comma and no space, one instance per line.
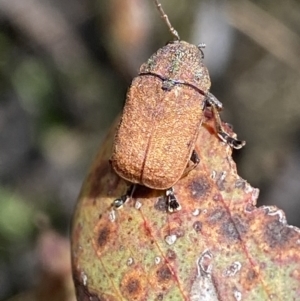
(164,109)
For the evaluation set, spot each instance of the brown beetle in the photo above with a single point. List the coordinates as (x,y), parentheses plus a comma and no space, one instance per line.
(161,119)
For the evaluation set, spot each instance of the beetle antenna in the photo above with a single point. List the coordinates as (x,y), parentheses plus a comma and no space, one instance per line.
(166,19)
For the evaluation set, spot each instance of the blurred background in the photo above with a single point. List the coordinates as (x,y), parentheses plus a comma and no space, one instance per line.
(64,70)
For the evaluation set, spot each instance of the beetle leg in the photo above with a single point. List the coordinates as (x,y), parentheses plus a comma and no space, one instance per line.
(200,47)
(235,143)
(172,202)
(217,106)
(195,158)
(118,203)
(195,161)
(212,101)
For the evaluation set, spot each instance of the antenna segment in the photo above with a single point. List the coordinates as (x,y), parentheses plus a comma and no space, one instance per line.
(166,19)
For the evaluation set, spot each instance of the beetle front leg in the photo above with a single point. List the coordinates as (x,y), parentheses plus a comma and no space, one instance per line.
(195,158)
(172,202)
(212,101)
(216,106)
(118,203)
(195,161)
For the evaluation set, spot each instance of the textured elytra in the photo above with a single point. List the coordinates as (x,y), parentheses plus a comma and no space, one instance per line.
(219,246)
(161,119)
(157,133)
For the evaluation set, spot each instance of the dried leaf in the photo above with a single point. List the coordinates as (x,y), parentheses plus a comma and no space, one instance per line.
(220,246)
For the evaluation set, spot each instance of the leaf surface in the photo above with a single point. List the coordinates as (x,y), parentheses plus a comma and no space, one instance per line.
(220,246)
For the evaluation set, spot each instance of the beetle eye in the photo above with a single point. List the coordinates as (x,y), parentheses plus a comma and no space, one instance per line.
(200,47)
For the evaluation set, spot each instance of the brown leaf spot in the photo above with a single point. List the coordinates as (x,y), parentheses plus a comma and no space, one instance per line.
(133,285)
(197,226)
(240,224)
(229,230)
(164,274)
(159,297)
(251,279)
(104,236)
(217,215)
(171,255)
(161,277)
(199,188)
(277,234)
(251,275)
(228,226)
